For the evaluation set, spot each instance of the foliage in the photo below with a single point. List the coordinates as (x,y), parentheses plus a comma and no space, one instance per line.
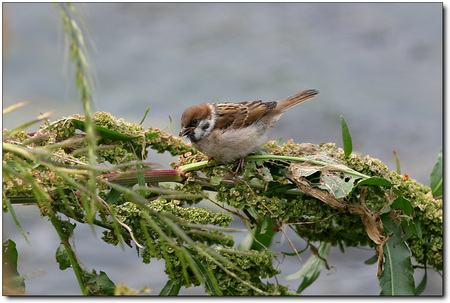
(301,186)
(397,276)
(436,181)
(13,282)
(312,268)
(346,138)
(93,169)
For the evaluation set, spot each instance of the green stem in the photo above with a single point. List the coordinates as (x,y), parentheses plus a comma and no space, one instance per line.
(199,165)
(150,176)
(71,254)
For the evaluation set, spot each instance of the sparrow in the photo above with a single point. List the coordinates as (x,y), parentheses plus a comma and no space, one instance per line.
(228,131)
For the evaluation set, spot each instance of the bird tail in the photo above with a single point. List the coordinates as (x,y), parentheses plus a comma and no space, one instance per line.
(291,101)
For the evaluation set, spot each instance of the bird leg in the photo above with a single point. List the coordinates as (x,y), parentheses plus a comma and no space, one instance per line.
(240,165)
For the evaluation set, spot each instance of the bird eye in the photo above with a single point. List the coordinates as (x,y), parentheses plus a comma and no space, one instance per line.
(194,122)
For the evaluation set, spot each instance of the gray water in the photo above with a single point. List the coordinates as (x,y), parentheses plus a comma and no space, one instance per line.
(377,64)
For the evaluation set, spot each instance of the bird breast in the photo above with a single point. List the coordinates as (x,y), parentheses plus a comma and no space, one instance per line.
(232,144)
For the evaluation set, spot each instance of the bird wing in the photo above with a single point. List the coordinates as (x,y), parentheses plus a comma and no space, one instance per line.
(240,115)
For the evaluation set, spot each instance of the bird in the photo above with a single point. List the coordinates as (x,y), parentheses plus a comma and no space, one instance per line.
(228,132)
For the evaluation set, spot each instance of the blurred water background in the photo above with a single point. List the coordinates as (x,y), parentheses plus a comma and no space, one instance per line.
(377,64)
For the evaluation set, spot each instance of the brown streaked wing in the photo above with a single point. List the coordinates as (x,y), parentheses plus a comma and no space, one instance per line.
(239,115)
(257,110)
(226,114)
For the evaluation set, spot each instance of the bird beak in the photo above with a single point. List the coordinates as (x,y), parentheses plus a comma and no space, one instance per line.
(185,131)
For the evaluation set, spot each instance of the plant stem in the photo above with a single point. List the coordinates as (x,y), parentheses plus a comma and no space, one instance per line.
(71,254)
(199,165)
(150,176)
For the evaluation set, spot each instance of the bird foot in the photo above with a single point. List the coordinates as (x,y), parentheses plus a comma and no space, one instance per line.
(240,166)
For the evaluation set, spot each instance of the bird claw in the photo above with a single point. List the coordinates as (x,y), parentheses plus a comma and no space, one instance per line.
(240,166)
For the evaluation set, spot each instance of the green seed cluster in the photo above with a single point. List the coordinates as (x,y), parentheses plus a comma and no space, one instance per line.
(315,220)
(262,187)
(427,211)
(37,181)
(131,215)
(252,266)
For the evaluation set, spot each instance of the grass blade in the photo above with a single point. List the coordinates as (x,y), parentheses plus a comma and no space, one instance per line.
(397,163)
(28,124)
(13,107)
(145,115)
(170,289)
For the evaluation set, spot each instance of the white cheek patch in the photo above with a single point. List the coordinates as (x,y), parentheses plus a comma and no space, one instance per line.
(204,128)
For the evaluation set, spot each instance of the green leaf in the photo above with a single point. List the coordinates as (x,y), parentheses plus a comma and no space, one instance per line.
(346,138)
(397,277)
(67,228)
(62,257)
(14,216)
(423,284)
(113,196)
(246,243)
(276,188)
(403,204)
(266,175)
(310,271)
(170,289)
(13,283)
(103,131)
(341,247)
(100,284)
(263,234)
(397,163)
(352,236)
(436,177)
(266,225)
(215,180)
(210,280)
(376,181)
(371,260)
(145,115)
(373,181)
(409,229)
